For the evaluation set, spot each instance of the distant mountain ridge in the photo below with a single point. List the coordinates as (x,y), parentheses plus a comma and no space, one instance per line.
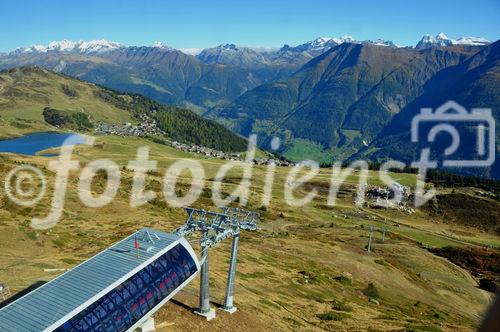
(213,78)
(162,73)
(230,54)
(286,57)
(82,47)
(314,47)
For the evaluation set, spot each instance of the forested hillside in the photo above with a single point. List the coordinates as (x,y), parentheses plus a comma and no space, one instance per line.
(37,99)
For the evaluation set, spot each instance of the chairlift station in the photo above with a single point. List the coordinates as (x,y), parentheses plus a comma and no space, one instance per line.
(120,288)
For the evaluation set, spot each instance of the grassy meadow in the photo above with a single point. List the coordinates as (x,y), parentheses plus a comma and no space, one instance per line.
(305,269)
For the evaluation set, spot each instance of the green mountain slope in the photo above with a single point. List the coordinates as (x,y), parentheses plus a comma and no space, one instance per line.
(341,100)
(474,82)
(25,93)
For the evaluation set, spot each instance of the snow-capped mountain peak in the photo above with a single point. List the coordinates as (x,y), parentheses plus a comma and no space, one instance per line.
(29,49)
(322,42)
(161,45)
(471,41)
(96,46)
(325,40)
(227,47)
(63,45)
(442,36)
(344,39)
(319,42)
(319,45)
(84,47)
(442,40)
(380,42)
(439,40)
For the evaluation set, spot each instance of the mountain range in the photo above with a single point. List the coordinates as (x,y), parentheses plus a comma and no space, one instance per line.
(314,47)
(329,98)
(166,75)
(213,78)
(358,99)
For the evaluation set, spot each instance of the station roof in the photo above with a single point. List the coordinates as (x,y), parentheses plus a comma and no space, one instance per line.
(50,305)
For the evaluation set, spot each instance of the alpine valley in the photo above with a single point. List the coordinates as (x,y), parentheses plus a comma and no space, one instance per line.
(328,99)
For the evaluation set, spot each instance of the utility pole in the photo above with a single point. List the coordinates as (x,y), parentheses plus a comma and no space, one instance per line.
(372,229)
(370,239)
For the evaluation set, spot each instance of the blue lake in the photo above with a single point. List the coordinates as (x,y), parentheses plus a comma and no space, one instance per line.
(33,143)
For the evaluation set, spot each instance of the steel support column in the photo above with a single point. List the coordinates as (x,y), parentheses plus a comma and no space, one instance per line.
(228,301)
(205,309)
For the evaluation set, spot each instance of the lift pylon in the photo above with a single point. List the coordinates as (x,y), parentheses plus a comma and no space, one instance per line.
(238,219)
(216,227)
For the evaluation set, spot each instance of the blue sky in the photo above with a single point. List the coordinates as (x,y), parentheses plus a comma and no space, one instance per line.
(184,24)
